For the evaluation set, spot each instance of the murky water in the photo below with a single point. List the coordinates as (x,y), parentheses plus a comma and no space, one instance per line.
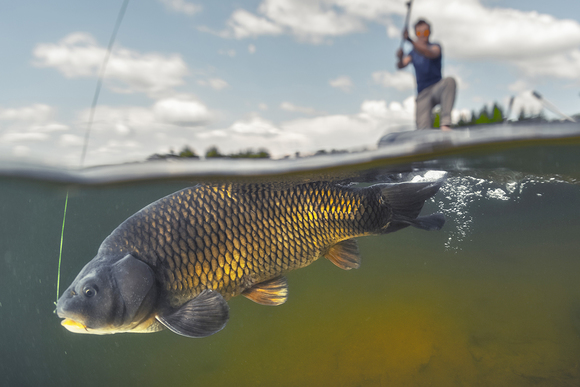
(492,299)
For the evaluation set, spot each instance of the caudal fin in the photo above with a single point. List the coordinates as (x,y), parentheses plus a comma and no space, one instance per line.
(406,201)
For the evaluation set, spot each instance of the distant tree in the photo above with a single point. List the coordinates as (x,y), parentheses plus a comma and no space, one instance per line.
(497,114)
(542,116)
(483,117)
(213,152)
(250,154)
(473,118)
(187,152)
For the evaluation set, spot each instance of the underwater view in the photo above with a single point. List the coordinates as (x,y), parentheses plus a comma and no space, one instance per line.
(492,298)
(290,193)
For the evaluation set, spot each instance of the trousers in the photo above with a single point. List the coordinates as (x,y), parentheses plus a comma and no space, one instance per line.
(440,93)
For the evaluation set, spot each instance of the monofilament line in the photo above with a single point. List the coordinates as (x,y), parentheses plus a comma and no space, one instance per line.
(100,80)
(89,125)
(60,251)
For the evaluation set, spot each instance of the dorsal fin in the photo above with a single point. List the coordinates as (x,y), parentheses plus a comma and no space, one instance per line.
(344,254)
(271,292)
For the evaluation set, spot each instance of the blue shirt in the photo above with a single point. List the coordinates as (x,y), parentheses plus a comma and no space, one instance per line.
(427,71)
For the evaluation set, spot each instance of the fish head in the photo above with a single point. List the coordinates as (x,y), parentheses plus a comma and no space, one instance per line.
(109,296)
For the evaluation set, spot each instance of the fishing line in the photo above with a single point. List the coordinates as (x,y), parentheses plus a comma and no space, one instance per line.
(100,79)
(60,251)
(89,125)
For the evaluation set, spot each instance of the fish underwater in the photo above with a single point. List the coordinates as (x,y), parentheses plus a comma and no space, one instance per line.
(175,263)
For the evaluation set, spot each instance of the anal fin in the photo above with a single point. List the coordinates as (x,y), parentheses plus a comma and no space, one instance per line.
(202,316)
(271,292)
(345,255)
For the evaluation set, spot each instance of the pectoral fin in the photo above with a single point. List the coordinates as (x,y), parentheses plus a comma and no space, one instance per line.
(202,316)
(345,255)
(272,292)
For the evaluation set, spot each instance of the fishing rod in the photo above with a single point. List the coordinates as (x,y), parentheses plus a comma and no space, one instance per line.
(408,4)
(551,106)
(509,111)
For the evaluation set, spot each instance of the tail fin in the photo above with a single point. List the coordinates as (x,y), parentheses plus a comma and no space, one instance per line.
(406,201)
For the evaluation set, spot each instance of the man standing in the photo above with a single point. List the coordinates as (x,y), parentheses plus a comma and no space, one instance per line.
(431,88)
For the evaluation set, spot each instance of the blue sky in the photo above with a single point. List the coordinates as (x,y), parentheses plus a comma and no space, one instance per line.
(287,75)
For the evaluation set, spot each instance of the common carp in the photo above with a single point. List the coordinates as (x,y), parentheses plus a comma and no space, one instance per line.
(176,262)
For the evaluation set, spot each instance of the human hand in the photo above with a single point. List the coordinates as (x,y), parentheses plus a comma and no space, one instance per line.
(406,34)
(399,53)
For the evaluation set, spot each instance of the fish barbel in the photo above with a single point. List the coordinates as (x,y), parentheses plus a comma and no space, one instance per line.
(175,263)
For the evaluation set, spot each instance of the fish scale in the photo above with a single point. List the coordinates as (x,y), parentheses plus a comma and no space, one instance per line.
(228,237)
(176,262)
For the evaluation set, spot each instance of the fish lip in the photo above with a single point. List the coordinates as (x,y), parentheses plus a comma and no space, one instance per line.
(73,325)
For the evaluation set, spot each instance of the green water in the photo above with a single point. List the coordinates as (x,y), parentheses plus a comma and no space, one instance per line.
(492,299)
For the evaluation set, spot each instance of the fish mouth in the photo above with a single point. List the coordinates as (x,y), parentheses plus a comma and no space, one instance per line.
(74,326)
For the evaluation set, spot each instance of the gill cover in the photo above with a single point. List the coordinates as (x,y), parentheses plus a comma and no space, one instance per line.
(136,286)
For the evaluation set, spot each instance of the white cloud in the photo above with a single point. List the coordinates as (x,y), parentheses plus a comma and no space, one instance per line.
(351,131)
(519,86)
(307,135)
(400,80)
(132,133)
(539,44)
(311,20)
(182,6)
(164,115)
(214,83)
(308,20)
(255,126)
(343,83)
(244,24)
(36,112)
(78,55)
(561,65)
(468,29)
(181,112)
(251,49)
(290,107)
(217,83)
(29,131)
(71,140)
(135,120)
(394,31)
(23,137)
(262,106)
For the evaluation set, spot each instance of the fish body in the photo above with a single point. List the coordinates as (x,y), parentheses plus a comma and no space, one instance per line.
(176,262)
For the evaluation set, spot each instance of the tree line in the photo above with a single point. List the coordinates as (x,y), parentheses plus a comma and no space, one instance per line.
(492,115)
(212,152)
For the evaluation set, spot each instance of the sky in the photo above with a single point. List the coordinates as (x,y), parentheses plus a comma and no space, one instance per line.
(286,75)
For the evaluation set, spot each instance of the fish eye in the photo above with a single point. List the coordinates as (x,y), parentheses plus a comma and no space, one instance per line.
(90,291)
